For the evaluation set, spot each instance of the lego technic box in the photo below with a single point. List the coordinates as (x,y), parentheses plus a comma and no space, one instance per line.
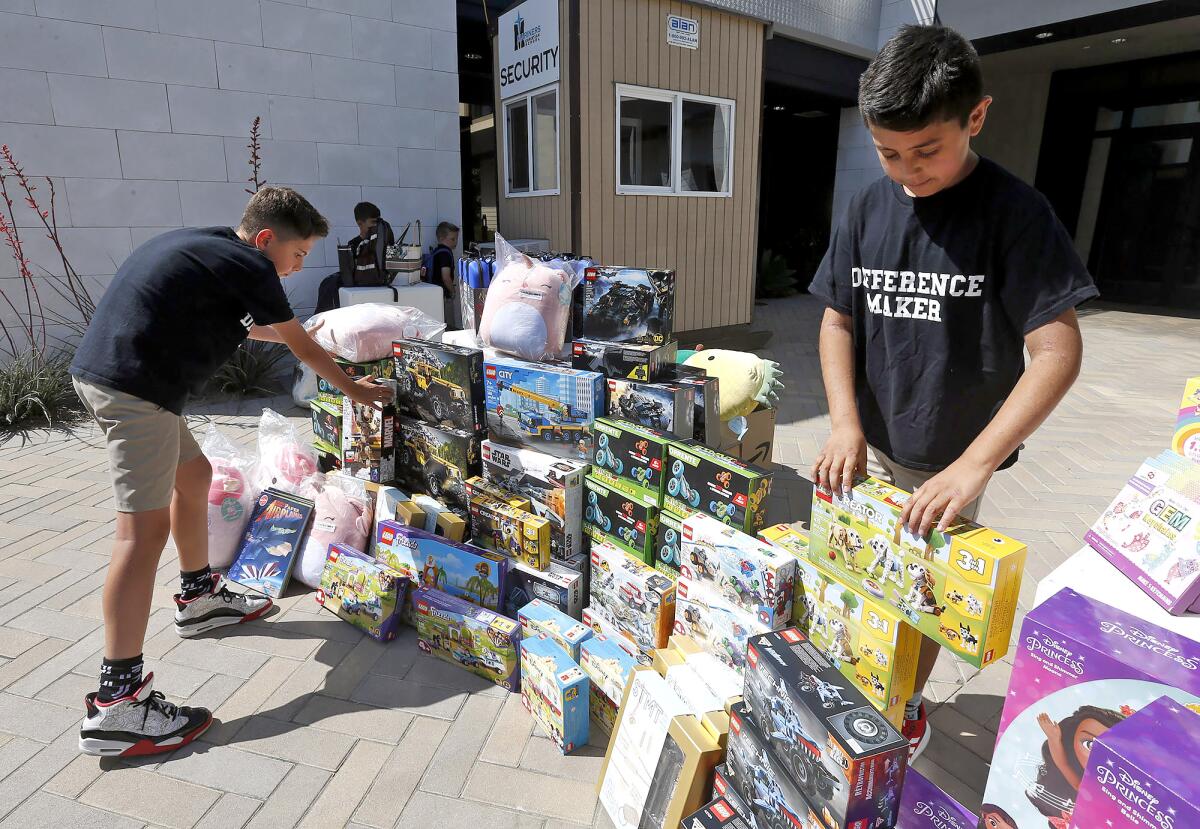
(440,384)
(701,479)
(627,361)
(513,532)
(543,407)
(608,665)
(428,560)
(724,789)
(368,441)
(617,512)
(436,461)
(848,760)
(668,542)
(667,407)
(764,782)
(558,587)
(554,487)
(476,639)
(541,619)
(719,627)
(379,369)
(629,305)
(555,691)
(959,587)
(363,592)
(634,454)
(638,598)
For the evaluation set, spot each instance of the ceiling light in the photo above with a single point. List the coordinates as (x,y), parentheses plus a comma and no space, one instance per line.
(1044,35)
(1119,39)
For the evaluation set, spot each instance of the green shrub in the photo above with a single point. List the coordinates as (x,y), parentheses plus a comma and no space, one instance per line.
(253,370)
(35,392)
(775,278)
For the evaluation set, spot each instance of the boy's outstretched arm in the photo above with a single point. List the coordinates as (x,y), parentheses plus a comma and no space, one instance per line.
(845,452)
(364,391)
(1056,354)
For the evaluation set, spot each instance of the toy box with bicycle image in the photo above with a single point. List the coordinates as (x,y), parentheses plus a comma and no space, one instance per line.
(368,441)
(628,361)
(667,407)
(379,369)
(440,384)
(628,305)
(633,454)
(363,592)
(539,618)
(616,512)
(959,587)
(608,665)
(513,532)
(428,560)
(476,639)
(847,759)
(639,599)
(543,407)
(555,690)
(436,461)
(667,543)
(700,479)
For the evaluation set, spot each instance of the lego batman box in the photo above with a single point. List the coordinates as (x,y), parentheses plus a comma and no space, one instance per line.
(629,305)
(629,361)
(667,407)
(559,587)
(440,384)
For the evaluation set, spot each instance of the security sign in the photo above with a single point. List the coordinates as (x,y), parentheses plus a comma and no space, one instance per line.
(528,47)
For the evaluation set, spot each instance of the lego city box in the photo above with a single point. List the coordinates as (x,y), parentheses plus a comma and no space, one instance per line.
(560,587)
(428,560)
(368,441)
(541,619)
(848,760)
(327,424)
(628,361)
(363,592)
(555,690)
(639,599)
(474,638)
(605,624)
(701,479)
(439,383)
(1081,667)
(720,628)
(608,664)
(632,305)
(667,544)
(958,587)
(436,461)
(764,782)
(379,369)
(667,407)
(631,453)
(624,515)
(512,532)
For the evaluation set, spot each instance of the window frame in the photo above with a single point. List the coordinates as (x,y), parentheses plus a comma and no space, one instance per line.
(527,98)
(676,99)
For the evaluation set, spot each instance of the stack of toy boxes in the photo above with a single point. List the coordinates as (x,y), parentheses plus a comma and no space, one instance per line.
(555,690)
(539,618)
(608,664)
(470,636)
(631,596)
(868,640)
(703,480)
(959,587)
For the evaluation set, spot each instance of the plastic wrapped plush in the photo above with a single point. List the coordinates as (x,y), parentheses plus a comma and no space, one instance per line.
(528,305)
(285,461)
(362,333)
(230,496)
(342,515)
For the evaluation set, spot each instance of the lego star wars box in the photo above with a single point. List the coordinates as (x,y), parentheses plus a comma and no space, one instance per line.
(379,369)
(559,587)
(959,587)
(554,689)
(440,384)
(541,619)
(667,543)
(368,447)
(363,592)
(605,624)
(621,514)
(628,361)
(668,407)
(463,634)
(764,781)
(719,627)
(327,424)
(609,665)
(632,454)
(637,597)
(701,479)
(512,532)
(554,487)
(628,305)
(848,759)
(428,560)
(436,461)
(543,407)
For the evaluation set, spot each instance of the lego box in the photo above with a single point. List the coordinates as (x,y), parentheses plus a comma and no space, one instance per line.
(764,781)
(724,789)
(363,592)
(719,628)
(622,514)
(701,479)
(543,407)
(470,636)
(667,407)
(629,305)
(637,597)
(634,454)
(706,418)
(379,369)
(559,587)
(717,813)
(667,543)
(629,361)
(428,560)
(513,532)
(440,384)
(555,691)
(541,619)
(436,461)
(484,487)
(608,665)
(605,624)
(848,760)
(368,448)
(327,424)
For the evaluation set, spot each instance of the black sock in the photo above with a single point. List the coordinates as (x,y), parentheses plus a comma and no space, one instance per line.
(195,583)
(118,677)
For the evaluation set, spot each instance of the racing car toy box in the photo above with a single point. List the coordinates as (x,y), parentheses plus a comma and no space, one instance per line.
(608,665)
(554,487)
(723,789)
(512,532)
(363,592)
(763,781)
(628,361)
(716,814)
(555,690)
(472,637)
(668,407)
(436,461)
(541,619)
(440,384)
(959,587)
(559,587)
(638,598)
(543,407)
(368,441)
(667,543)
(379,369)
(720,628)
(701,479)
(628,305)
(616,512)
(428,560)
(635,455)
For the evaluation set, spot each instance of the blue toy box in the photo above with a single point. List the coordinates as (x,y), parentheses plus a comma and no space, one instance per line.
(428,560)
(608,665)
(544,407)
(555,691)
(540,619)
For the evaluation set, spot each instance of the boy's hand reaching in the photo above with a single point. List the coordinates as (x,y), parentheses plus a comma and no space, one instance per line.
(944,495)
(844,455)
(369,393)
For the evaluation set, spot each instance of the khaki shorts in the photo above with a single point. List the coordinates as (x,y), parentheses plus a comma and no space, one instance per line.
(887,470)
(146,444)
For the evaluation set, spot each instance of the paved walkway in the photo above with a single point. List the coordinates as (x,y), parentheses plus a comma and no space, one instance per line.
(320,726)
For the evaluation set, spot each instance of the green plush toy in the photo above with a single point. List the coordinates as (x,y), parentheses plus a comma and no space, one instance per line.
(746,379)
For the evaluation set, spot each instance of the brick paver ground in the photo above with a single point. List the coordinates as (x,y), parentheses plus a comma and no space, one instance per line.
(320,726)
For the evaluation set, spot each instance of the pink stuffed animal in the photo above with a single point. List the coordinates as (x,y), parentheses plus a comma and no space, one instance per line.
(342,516)
(528,306)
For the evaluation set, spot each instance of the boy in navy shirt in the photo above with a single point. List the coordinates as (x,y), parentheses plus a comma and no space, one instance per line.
(937,278)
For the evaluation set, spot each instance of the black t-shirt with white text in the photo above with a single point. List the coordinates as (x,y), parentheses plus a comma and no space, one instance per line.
(942,291)
(177,309)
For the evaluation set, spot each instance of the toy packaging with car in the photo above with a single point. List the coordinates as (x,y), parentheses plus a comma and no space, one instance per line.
(666,407)
(723,788)
(271,542)
(925,806)
(629,361)
(427,560)
(847,759)
(959,587)
(513,532)
(555,690)
(605,624)
(706,422)
(436,461)
(560,587)
(633,454)
(543,407)
(484,487)
(720,628)
(368,435)
(541,619)
(327,424)
(554,487)
(440,384)
(667,543)
(617,512)
(764,782)
(628,305)
(379,369)
(469,636)
(608,665)
(638,598)
(363,592)
(700,479)
(716,814)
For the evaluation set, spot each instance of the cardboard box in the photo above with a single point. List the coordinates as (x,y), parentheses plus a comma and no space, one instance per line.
(440,384)
(706,421)
(368,448)
(705,480)
(629,361)
(757,443)
(640,599)
(629,305)
(426,560)
(609,665)
(667,407)
(663,658)
(720,628)
(1186,440)
(555,691)
(486,488)
(440,519)
(543,407)
(559,587)
(633,454)
(763,781)
(959,588)
(667,543)
(513,532)
(541,619)
(455,631)
(724,682)
(622,515)
(363,592)
(436,461)
(379,369)
(605,624)
(327,424)
(924,806)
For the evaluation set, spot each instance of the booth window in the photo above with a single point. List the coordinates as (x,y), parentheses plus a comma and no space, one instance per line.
(673,143)
(531,143)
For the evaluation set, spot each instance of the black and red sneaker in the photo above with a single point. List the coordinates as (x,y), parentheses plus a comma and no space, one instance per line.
(140,723)
(917,732)
(217,608)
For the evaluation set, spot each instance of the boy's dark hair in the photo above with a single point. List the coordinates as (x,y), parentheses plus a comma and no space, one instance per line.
(365,210)
(922,75)
(445,229)
(284,211)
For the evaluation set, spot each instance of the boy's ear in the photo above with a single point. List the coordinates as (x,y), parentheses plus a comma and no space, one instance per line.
(978,115)
(265,236)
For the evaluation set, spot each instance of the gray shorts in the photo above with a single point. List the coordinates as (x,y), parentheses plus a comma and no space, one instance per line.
(146,444)
(887,470)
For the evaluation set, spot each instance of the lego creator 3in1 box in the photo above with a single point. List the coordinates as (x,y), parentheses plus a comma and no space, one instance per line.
(628,305)
(436,461)
(608,664)
(776,801)
(513,532)
(634,454)
(543,407)
(555,691)
(428,560)
(664,406)
(630,361)
(701,479)
(638,597)
(847,758)
(440,384)
(618,513)
(464,634)
(959,588)
(1081,667)
(363,592)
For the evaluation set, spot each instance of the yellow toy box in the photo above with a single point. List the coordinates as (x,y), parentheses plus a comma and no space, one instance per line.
(512,532)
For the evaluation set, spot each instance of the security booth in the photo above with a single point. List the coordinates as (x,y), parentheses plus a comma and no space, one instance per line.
(628,130)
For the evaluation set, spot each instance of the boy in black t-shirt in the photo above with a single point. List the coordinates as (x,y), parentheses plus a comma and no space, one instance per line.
(442,270)
(178,308)
(936,279)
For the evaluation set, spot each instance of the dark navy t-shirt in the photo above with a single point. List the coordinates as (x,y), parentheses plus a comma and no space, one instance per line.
(942,291)
(177,309)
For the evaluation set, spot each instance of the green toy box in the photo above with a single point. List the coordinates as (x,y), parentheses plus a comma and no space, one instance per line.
(620,512)
(631,454)
(701,479)
(379,369)
(667,543)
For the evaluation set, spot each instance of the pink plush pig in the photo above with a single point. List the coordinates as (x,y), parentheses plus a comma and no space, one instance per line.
(528,306)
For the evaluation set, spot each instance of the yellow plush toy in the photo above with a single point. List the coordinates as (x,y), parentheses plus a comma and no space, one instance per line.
(746,380)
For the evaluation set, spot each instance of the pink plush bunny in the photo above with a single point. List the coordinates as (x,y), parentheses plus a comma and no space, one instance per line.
(342,516)
(527,308)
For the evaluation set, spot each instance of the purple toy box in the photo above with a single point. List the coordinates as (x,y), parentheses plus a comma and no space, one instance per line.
(924,806)
(1137,778)
(1081,667)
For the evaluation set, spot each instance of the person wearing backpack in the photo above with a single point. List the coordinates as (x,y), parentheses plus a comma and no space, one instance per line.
(437,268)
(366,256)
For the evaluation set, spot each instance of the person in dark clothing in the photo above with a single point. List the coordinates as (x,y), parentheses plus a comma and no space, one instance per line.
(441,270)
(362,249)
